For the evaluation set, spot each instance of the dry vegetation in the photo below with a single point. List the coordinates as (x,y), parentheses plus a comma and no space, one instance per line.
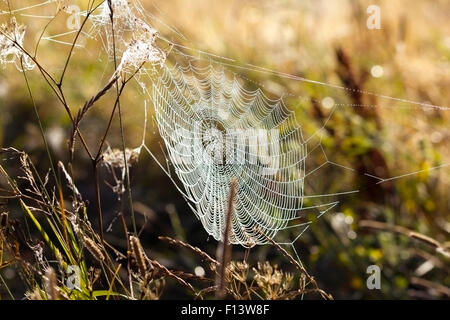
(74,192)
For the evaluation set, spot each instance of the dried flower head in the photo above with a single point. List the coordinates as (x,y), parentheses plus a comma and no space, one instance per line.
(114,161)
(239,270)
(271,280)
(138,53)
(114,158)
(11,40)
(126,33)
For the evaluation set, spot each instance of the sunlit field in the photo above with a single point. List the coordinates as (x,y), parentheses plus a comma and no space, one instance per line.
(118,179)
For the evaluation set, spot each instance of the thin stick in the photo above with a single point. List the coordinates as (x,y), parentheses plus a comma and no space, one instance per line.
(370,224)
(196,250)
(224,249)
(171,274)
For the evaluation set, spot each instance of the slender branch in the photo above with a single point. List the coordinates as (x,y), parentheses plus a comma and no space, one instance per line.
(111,117)
(377,225)
(87,106)
(224,249)
(72,48)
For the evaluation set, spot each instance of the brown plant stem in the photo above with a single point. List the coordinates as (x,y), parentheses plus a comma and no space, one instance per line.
(224,249)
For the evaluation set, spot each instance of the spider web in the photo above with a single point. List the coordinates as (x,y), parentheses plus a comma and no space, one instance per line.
(218,125)
(216,130)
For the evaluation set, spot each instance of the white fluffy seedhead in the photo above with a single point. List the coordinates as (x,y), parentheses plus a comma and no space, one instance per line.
(137,54)
(127,35)
(11,42)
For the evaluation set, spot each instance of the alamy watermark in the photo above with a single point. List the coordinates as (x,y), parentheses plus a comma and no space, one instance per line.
(374,18)
(73,273)
(208,143)
(74,20)
(374,280)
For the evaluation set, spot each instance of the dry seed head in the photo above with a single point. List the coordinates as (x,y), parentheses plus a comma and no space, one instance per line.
(59,257)
(266,274)
(34,295)
(93,248)
(139,255)
(11,41)
(139,52)
(114,157)
(50,284)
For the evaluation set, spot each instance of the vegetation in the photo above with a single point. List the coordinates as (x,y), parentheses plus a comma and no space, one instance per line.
(75,193)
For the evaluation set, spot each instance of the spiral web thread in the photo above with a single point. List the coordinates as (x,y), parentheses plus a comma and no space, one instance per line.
(201,103)
(264,204)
